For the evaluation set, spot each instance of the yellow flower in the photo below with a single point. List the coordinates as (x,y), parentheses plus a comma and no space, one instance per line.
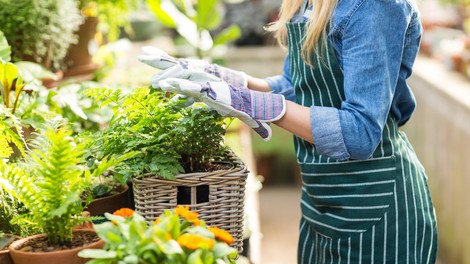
(221,234)
(195,241)
(184,212)
(124,212)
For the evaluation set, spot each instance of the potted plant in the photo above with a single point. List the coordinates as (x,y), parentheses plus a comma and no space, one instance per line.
(181,156)
(40,31)
(10,207)
(110,15)
(177,236)
(106,194)
(50,182)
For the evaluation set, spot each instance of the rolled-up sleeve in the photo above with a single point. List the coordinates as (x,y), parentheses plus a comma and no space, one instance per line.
(370,58)
(281,84)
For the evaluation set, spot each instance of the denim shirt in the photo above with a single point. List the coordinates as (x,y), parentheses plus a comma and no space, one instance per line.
(376,43)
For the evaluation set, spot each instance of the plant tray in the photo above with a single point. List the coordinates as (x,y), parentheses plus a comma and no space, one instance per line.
(217,196)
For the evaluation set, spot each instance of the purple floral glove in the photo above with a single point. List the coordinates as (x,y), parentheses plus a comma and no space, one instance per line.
(254,108)
(191,69)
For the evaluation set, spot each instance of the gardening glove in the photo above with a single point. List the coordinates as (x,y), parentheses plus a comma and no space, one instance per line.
(254,108)
(191,69)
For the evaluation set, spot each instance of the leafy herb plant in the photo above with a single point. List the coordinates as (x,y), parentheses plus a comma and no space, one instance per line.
(168,137)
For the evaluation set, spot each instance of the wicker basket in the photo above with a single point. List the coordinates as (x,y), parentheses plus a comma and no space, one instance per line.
(218,196)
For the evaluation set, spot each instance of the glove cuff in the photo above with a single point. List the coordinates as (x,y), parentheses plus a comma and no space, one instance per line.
(267,107)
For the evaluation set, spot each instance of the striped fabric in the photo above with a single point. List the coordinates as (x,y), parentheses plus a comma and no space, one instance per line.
(372,211)
(266,107)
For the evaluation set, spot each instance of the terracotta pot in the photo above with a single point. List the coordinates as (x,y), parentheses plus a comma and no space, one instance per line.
(53,82)
(79,59)
(109,204)
(5,257)
(69,256)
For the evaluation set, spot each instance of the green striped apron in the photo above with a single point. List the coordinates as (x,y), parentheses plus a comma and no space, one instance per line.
(358,211)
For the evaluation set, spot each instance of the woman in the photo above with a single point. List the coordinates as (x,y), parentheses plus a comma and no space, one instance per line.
(364,194)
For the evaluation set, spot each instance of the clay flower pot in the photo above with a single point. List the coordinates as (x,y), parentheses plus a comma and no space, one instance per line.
(69,256)
(109,204)
(5,257)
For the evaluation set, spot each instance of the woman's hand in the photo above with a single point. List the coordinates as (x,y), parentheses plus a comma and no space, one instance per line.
(254,108)
(190,69)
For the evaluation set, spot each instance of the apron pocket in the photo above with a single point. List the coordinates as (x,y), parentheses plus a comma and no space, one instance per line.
(346,198)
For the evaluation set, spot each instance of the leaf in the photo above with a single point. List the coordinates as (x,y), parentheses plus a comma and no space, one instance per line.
(8,73)
(31,71)
(207,16)
(205,40)
(162,15)
(221,250)
(100,261)
(97,254)
(131,259)
(71,199)
(195,257)
(171,247)
(227,35)
(5,49)
(72,101)
(184,25)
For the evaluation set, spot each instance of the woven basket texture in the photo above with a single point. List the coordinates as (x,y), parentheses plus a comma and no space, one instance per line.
(221,205)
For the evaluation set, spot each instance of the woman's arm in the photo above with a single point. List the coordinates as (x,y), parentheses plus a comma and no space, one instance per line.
(258,84)
(296,121)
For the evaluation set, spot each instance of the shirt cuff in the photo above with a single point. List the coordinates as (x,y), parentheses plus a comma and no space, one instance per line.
(280,85)
(327,132)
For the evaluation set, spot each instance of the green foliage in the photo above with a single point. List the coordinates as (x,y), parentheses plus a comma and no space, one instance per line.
(5,49)
(112,14)
(11,133)
(40,31)
(198,136)
(174,238)
(49,182)
(11,84)
(71,102)
(194,21)
(11,208)
(162,131)
(104,183)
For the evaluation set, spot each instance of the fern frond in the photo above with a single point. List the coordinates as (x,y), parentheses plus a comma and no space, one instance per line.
(106,96)
(49,182)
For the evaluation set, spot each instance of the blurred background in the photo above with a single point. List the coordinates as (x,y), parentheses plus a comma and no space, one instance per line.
(98,44)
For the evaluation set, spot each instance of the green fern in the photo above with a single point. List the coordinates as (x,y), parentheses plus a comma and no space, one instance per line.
(49,182)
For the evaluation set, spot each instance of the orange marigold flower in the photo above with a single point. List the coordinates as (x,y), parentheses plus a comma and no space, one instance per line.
(194,241)
(124,212)
(221,234)
(197,222)
(157,220)
(184,212)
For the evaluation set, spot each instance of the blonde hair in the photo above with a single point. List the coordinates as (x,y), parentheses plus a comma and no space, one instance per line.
(315,37)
